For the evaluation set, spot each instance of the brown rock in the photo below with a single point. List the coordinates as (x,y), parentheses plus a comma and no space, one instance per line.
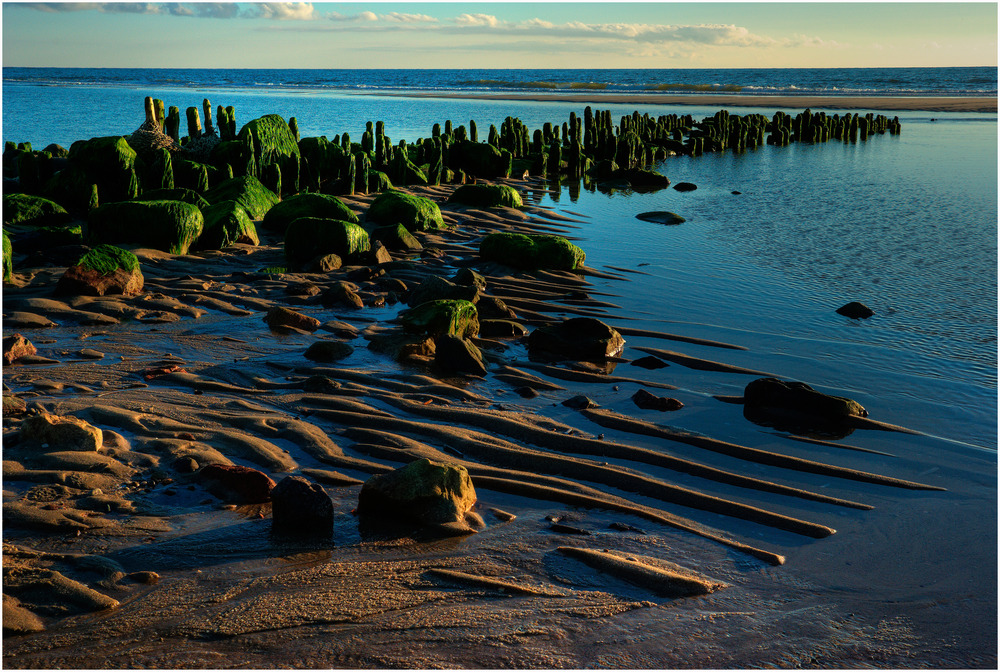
(649,401)
(342,294)
(299,506)
(78,280)
(15,347)
(238,483)
(278,317)
(61,433)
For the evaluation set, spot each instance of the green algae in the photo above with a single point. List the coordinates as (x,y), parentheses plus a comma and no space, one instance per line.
(416,213)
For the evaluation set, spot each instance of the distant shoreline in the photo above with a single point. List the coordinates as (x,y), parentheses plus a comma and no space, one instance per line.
(909,104)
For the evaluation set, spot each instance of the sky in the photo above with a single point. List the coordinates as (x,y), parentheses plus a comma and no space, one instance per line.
(499,34)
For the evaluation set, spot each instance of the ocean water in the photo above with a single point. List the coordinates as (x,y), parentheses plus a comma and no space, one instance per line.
(905,224)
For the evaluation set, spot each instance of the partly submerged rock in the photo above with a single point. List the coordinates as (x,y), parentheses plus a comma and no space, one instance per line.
(103,270)
(647,400)
(856,310)
(685,186)
(798,402)
(301,507)
(459,355)
(661,217)
(583,338)
(328,351)
(531,252)
(425,492)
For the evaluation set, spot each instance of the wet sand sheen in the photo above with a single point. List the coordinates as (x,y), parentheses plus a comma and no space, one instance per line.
(231,595)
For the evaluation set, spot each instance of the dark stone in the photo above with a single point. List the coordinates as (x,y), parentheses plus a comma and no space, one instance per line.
(577,338)
(797,402)
(492,308)
(685,186)
(429,493)
(661,217)
(501,329)
(324,264)
(237,483)
(436,287)
(320,384)
(185,465)
(856,310)
(580,402)
(280,317)
(649,401)
(458,354)
(526,392)
(649,362)
(342,294)
(328,351)
(299,506)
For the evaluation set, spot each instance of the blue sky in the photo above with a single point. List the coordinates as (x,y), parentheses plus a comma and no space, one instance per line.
(499,35)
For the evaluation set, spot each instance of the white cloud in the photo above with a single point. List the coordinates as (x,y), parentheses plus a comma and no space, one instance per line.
(294,11)
(477,20)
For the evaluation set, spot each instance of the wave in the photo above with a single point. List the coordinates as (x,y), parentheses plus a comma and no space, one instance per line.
(498,83)
(700,88)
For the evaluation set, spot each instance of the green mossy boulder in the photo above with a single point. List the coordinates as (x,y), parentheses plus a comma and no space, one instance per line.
(396,237)
(378,181)
(479,159)
(8,259)
(403,171)
(273,142)
(180,194)
(416,213)
(108,162)
(311,237)
(33,211)
(248,192)
(318,206)
(487,196)
(531,252)
(171,226)
(444,316)
(46,237)
(73,189)
(226,223)
(429,493)
(103,270)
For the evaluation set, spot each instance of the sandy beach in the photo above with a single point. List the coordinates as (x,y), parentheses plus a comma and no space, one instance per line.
(882,103)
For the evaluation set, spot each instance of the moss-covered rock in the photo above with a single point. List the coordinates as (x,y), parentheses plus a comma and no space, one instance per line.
(310,237)
(307,205)
(403,171)
(273,139)
(436,287)
(226,223)
(416,213)
(430,493)
(532,252)
(248,192)
(171,226)
(444,316)
(177,194)
(73,189)
(103,270)
(479,159)
(487,196)
(46,237)
(396,237)
(108,162)
(8,258)
(33,211)
(378,181)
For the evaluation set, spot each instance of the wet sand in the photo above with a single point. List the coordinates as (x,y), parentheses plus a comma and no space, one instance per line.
(796,541)
(878,103)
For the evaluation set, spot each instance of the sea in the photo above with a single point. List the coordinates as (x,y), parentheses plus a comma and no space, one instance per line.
(906,224)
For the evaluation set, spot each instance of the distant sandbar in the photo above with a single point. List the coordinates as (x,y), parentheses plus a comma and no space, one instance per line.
(922,103)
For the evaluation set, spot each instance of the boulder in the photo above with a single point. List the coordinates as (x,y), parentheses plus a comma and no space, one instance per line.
(649,362)
(425,492)
(309,237)
(856,310)
(581,338)
(226,223)
(171,226)
(470,278)
(15,347)
(443,316)
(104,270)
(46,237)
(307,205)
(186,195)
(416,213)
(396,237)
(501,329)
(401,346)
(57,433)
(403,171)
(487,196)
(324,264)
(661,217)
(328,351)
(301,507)
(8,259)
(490,307)
(236,483)
(33,211)
(479,159)
(798,402)
(248,192)
(436,287)
(342,294)
(108,162)
(685,186)
(531,252)
(459,355)
(273,141)
(378,181)
(580,402)
(279,317)
(649,401)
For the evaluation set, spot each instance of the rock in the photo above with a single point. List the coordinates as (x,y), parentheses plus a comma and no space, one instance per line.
(470,278)
(15,347)
(797,401)
(13,407)
(319,206)
(487,196)
(491,307)
(145,577)
(479,159)
(238,483)
(17,620)
(185,465)
(577,338)
(402,171)
(501,329)
(402,347)
(531,252)
(436,287)
(309,237)
(179,194)
(279,316)
(661,217)
(324,264)
(55,433)
(43,238)
(340,329)
(328,351)
(342,294)
(8,259)
(526,392)
(685,186)
(416,213)
(649,362)
(249,194)
(33,211)
(641,179)
(396,237)
(429,493)
(378,181)
(226,223)
(273,141)
(856,310)
(443,316)
(580,402)
(171,226)
(299,506)
(378,254)
(108,162)
(104,270)
(649,401)
(459,355)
